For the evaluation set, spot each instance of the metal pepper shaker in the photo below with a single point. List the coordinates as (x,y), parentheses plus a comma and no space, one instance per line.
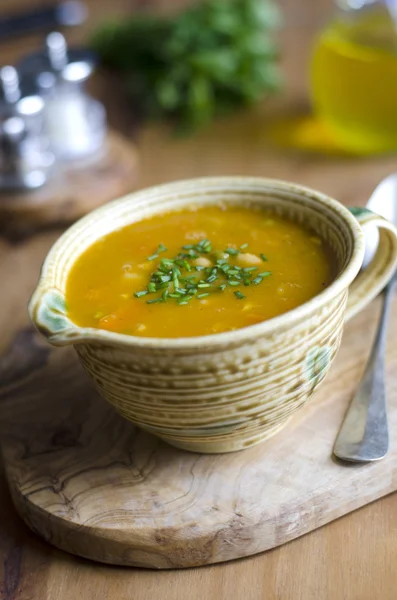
(24,156)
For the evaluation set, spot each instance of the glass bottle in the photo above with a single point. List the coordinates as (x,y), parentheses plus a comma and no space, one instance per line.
(354,76)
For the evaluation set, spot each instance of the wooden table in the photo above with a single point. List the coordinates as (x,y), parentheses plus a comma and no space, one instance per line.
(353,558)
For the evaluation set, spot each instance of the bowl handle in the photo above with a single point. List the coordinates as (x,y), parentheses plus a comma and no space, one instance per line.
(371,281)
(48,312)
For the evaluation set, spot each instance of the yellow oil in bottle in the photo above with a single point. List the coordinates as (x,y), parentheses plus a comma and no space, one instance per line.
(354,82)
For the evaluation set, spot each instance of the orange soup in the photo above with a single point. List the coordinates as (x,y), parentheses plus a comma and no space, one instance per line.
(198,271)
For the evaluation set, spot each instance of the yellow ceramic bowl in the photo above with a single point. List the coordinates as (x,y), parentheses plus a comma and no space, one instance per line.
(231,390)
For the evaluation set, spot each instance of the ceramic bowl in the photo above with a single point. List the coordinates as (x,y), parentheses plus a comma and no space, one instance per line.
(226,391)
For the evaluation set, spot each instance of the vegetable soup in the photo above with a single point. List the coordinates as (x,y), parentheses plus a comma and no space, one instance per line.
(197,271)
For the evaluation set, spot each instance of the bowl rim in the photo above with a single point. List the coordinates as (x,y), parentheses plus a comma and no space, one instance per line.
(340,284)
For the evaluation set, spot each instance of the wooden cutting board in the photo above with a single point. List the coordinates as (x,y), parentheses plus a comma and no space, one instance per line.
(92,484)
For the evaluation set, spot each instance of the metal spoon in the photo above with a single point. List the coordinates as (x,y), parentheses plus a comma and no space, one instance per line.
(364,435)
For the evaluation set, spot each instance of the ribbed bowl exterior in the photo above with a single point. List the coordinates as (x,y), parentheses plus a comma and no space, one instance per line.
(216,393)
(219,401)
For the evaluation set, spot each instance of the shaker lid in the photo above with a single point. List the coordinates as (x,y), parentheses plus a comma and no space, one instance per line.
(9,84)
(30,106)
(76,72)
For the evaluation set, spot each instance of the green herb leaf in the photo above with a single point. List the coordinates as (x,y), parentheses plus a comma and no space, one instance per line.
(211,58)
(239,295)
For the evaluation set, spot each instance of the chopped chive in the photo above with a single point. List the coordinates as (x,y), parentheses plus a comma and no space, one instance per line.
(162,269)
(171,280)
(175,278)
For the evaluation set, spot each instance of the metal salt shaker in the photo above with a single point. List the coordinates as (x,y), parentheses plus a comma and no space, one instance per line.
(24,158)
(75,123)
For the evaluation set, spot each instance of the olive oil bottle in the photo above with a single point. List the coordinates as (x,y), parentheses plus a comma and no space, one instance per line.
(354,77)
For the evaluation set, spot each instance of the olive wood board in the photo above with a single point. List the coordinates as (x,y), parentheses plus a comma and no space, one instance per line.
(73,190)
(92,484)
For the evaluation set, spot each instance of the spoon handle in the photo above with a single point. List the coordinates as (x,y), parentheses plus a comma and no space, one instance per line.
(364,435)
